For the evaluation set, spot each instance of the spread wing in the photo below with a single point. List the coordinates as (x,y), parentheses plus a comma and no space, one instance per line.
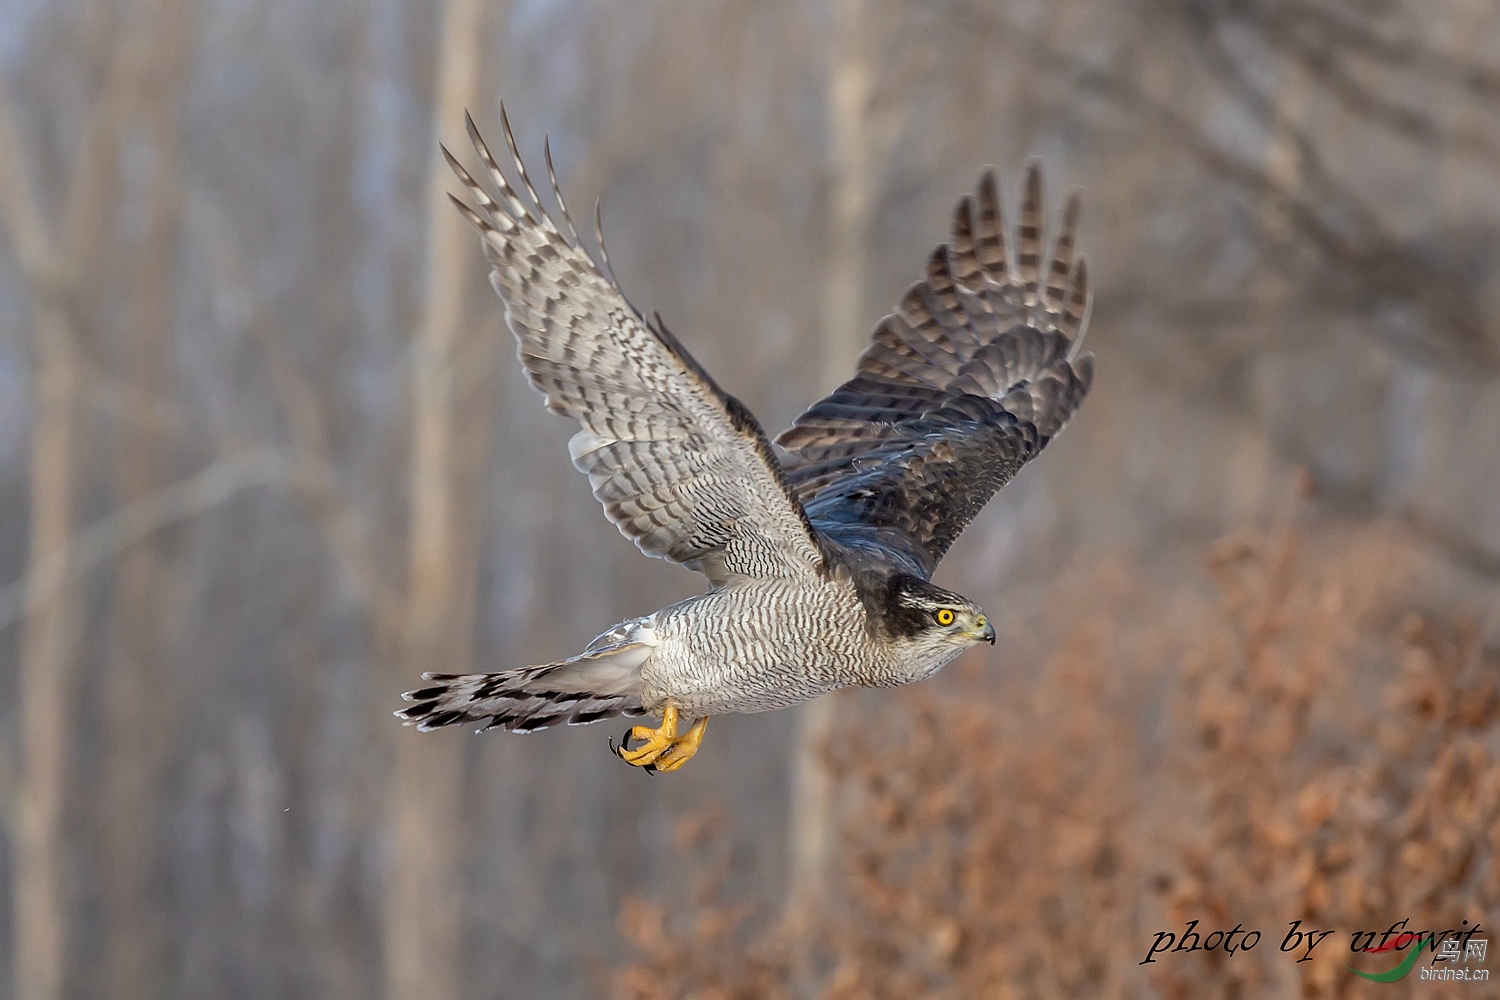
(682,468)
(970,377)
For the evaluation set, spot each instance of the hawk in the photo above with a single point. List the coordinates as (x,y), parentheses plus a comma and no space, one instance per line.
(819,549)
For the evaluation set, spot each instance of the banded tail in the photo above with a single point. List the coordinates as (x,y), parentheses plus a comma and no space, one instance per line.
(599,684)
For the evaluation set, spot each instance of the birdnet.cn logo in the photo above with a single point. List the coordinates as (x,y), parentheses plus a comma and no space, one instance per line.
(1458,955)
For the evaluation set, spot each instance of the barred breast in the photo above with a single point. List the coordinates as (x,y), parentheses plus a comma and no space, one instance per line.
(759,646)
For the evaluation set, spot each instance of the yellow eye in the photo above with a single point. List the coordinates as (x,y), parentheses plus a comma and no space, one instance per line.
(944,616)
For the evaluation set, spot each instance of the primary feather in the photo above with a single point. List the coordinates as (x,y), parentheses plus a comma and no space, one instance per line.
(967,380)
(681,467)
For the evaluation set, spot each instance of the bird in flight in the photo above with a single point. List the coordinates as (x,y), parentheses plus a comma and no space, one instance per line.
(819,549)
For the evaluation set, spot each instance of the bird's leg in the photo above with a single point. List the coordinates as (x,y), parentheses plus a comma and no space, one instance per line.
(683,747)
(662,749)
(657,741)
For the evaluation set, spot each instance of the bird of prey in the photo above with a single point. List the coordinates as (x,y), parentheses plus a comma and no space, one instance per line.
(819,549)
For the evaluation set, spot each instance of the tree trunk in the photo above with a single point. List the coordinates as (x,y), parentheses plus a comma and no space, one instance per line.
(424,889)
(851,84)
(48,669)
(140,712)
(58,266)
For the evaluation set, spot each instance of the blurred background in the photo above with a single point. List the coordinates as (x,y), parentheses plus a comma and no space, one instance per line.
(266,455)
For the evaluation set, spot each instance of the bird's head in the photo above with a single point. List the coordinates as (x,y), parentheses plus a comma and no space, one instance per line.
(919,612)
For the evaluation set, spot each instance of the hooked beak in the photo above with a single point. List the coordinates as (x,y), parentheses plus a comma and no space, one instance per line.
(985,634)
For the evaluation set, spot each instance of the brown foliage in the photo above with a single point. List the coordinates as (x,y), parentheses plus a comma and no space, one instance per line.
(1326,755)
(701,952)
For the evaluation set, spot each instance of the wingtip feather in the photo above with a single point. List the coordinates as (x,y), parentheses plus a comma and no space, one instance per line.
(562,205)
(990,229)
(1029,233)
(1059,272)
(609,268)
(540,216)
(1075,320)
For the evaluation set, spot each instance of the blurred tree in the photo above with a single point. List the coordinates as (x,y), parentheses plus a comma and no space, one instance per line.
(61,261)
(450,421)
(141,703)
(863,126)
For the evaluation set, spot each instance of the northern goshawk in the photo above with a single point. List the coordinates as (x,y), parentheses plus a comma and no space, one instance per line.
(818,550)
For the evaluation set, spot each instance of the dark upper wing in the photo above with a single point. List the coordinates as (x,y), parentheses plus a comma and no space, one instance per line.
(970,377)
(681,467)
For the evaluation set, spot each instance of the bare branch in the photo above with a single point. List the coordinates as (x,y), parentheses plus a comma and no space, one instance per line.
(49,654)
(1354,32)
(1232,76)
(344,527)
(20,209)
(121,528)
(1377,264)
(1323,54)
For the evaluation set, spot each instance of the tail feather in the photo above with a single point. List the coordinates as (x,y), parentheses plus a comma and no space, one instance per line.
(600,684)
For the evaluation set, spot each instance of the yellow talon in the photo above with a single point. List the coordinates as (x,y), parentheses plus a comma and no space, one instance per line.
(683,748)
(662,748)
